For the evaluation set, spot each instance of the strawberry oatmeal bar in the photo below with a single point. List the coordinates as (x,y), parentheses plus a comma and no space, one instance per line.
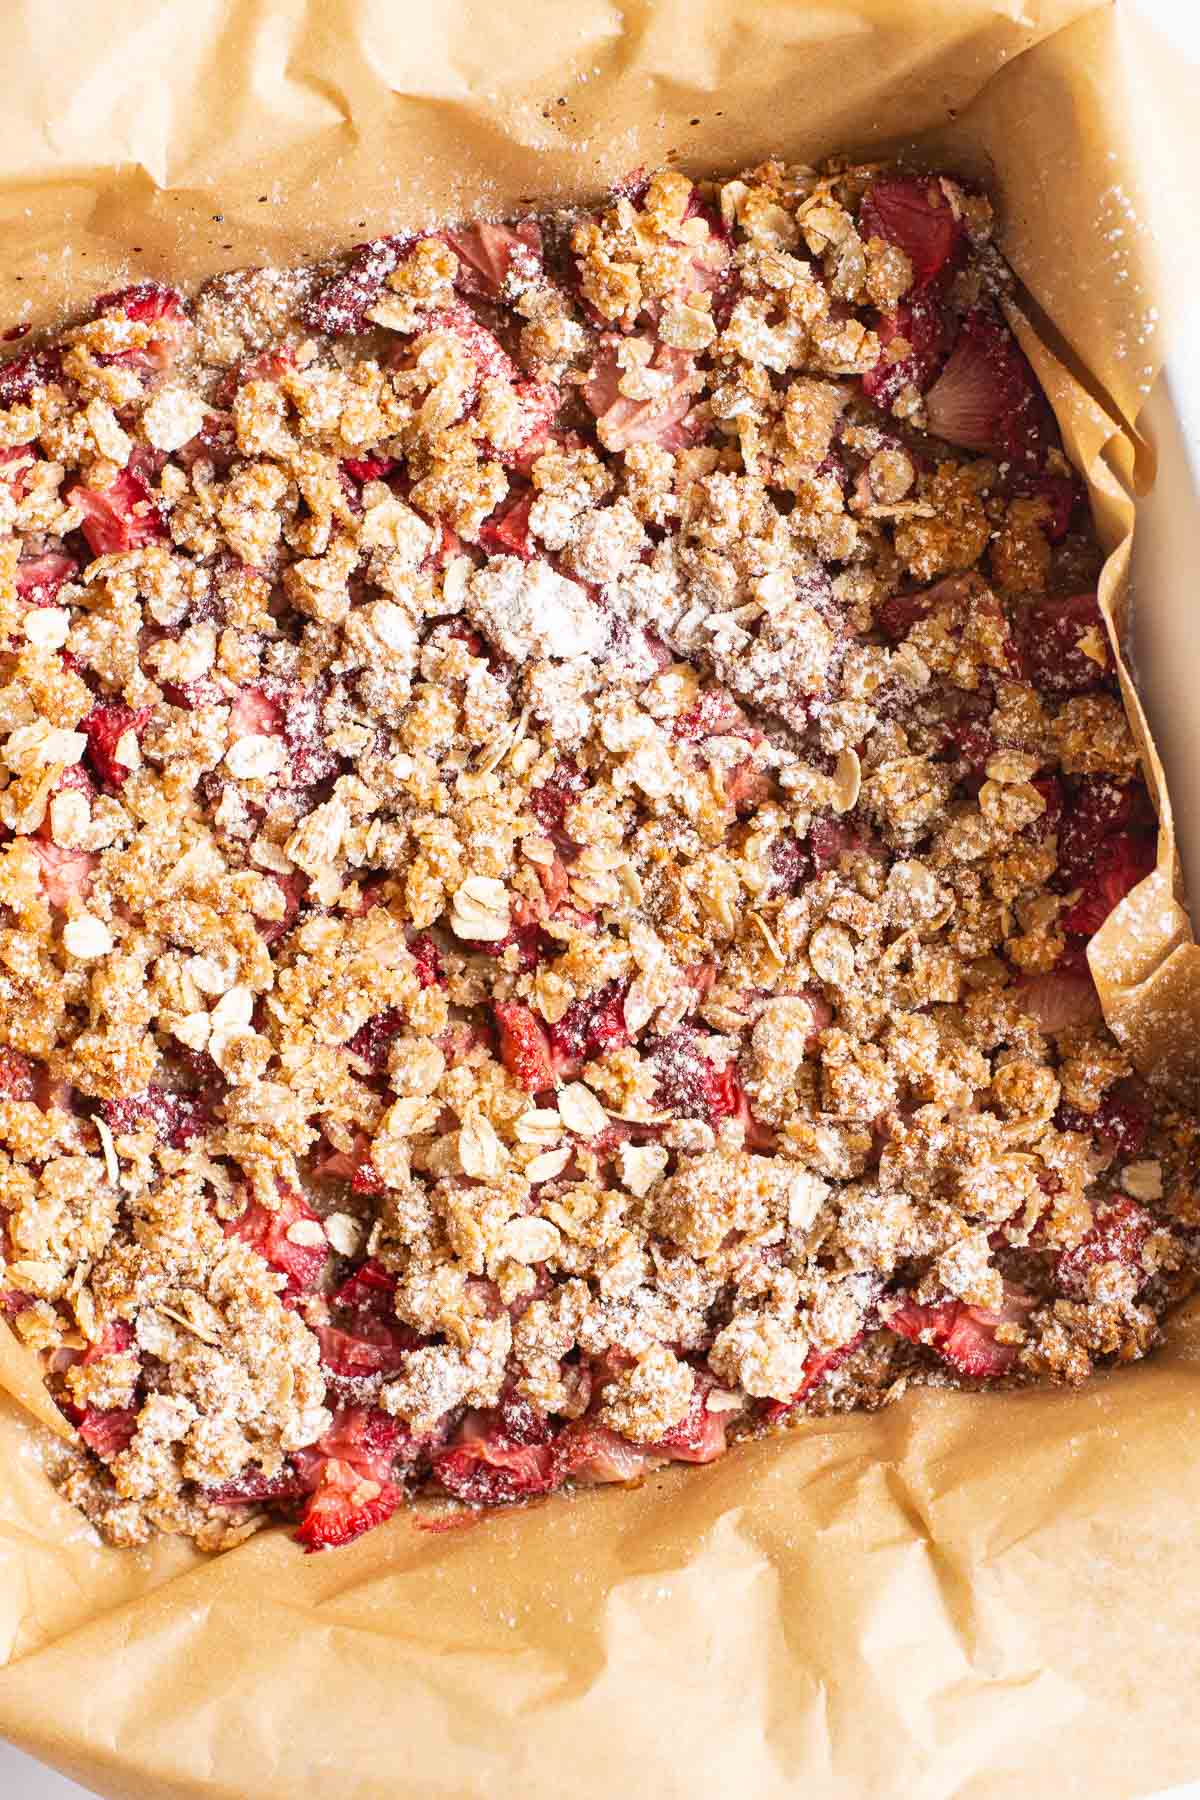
(557,783)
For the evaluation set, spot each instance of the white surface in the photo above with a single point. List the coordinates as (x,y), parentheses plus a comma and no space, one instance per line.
(1159,663)
(23,1779)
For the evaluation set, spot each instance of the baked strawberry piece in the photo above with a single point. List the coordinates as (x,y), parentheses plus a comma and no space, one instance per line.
(987,398)
(289,1236)
(918,215)
(120,517)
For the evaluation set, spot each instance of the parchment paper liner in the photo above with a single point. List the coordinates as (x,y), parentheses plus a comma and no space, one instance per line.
(962,1596)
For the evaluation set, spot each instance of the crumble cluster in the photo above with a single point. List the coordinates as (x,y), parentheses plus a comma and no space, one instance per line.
(556,781)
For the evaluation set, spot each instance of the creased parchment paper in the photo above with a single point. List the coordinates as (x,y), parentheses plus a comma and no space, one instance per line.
(960,1597)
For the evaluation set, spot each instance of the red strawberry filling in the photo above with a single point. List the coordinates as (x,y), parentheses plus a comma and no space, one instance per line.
(965,1336)
(368,1438)
(556,884)
(147,303)
(353,1489)
(255,713)
(746,787)
(1060,999)
(18,1076)
(40,577)
(66,874)
(828,839)
(353,1165)
(290,1237)
(175,1118)
(428,961)
(506,532)
(372,1348)
(513,1453)
(487,1467)
(900,612)
(913,343)
(21,375)
(986,398)
(525,936)
(1119,1124)
(448,546)
(340,307)
(344,1504)
(143,303)
(524,1046)
(253,1488)
(1054,799)
(105,726)
(1118,1235)
(116,1338)
(301,714)
(1063,494)
(1121,862)
(791,865)
(1065,645)
(700,1435)
(118,518)
(374,1040)
(593,1454)
(549,802)
(658,419)
(915,215)
(215,443)
(1098,809)
(973,747)
(292,888)
(193,694)
(689,1085)
(365,1177)
(487,254)
(369,1289)
(590,1027)
(369,468)
(107,1432)
(713,713)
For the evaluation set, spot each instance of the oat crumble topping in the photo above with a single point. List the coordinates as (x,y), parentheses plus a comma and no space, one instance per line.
(556,781)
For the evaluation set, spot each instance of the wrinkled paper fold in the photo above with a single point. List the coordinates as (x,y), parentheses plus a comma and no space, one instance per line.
(962,1596)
